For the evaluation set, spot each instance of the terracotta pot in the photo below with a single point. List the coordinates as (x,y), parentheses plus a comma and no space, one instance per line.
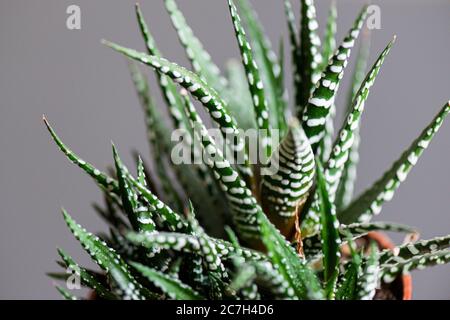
(401,287)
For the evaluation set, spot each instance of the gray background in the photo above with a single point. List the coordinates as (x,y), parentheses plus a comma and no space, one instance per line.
(85,91)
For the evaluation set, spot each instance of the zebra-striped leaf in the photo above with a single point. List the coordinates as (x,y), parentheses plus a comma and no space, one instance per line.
(243,205)
(344,192)
(409,250)
(346,289)
(254,79)
(309,59)
(174,221)
(190,244)
(200,59)
(270,279)
(267,61)
(295,50)
(317,110)
(389,271)
(329,38)
(370,202)
(341,148)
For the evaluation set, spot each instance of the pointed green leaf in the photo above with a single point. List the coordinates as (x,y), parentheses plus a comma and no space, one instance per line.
(329,41)
(329,46)
(390,271)
(158,136)
(243,205)
(110,261)
(309,59)
(283,95)
(241,98)
(317,109)
(243,278)
(254,79)
(344,142)
(167,86)
(371,201)
(361,229)
(331,240)
(141,175)
(173,287)
(140,216)
(173,220)
(102,179)
(295,51)
(267,61)
(344,192)
(312,245)
(348,284)
(198,56)
(409,250)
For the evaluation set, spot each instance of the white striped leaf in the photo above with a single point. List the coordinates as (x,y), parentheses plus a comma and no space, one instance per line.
(317,109)
(370,202)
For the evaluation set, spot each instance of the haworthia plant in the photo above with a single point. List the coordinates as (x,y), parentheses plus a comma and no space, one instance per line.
(294,231)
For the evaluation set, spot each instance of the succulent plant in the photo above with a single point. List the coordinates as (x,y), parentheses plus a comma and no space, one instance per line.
(217,229)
